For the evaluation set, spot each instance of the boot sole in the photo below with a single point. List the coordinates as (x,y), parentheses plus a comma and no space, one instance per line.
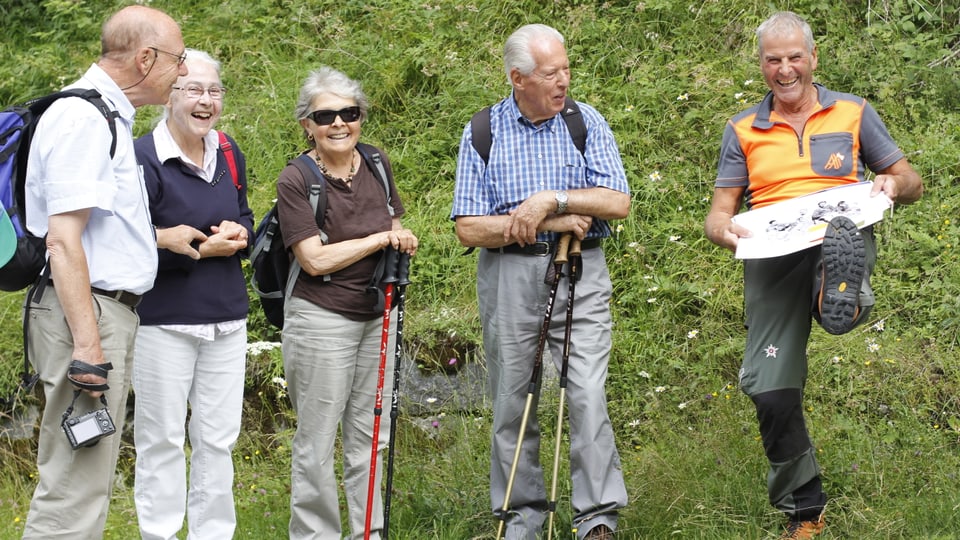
(844,262)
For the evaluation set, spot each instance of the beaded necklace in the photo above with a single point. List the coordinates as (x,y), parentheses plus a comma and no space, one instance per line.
(326,172)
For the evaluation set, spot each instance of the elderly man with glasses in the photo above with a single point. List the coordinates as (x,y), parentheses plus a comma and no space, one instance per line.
(102,257)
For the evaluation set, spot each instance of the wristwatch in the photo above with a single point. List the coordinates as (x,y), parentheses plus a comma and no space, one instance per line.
(561,198)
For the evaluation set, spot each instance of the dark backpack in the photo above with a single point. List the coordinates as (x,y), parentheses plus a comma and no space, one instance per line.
(17,126)
(275,269)
(482,138)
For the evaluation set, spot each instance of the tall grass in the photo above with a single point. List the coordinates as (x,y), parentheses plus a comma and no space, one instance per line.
(882,405)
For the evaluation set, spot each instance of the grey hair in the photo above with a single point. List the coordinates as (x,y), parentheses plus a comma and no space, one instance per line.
(516,51)
(784,23)
(192,55)
(203,56)
(327,80)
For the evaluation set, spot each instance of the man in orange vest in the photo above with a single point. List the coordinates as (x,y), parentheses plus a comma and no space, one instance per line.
(800,139)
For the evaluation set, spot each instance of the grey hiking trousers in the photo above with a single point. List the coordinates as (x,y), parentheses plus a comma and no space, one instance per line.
(512,297)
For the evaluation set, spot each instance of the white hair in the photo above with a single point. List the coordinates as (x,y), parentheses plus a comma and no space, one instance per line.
(516,51)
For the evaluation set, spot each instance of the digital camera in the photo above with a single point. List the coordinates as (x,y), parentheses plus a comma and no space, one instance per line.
(87,429)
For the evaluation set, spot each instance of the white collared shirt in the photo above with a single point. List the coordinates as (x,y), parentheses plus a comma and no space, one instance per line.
(69,169)
(167,148)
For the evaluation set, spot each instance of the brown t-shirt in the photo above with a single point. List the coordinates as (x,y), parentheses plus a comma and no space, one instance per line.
(352,212)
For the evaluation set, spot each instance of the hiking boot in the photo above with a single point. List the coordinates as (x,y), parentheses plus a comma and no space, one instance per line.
(844,263)
(803,530)
(600,532)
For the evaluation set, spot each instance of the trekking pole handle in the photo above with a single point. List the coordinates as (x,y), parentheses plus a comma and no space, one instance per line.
(403,269)
(574,250)
(390,265)
(562,248)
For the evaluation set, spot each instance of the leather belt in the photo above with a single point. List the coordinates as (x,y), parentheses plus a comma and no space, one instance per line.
(542,249)
(124,297)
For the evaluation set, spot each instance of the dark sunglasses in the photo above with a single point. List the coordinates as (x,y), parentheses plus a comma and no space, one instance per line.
(326,117)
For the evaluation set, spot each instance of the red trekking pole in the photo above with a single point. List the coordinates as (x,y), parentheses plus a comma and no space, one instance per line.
(389,278)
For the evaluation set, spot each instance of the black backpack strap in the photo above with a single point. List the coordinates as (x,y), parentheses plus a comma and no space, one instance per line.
(38,106)
(94,97)
(575,125)
(316,186)
(372,156)
(481,136)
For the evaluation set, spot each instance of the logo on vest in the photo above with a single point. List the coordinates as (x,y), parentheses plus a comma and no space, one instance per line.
(834,162)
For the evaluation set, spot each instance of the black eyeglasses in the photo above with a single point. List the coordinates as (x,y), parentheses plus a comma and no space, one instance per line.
(181,58)
(325,117)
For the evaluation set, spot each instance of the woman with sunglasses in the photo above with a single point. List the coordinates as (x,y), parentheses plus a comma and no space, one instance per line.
(191,345)
(332,329)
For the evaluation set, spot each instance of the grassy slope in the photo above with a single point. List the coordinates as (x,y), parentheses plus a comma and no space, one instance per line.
(666,75)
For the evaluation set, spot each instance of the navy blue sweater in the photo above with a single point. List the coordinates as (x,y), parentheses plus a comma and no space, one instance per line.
(186,291)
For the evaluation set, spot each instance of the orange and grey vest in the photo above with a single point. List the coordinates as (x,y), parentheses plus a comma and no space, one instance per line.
(761,151)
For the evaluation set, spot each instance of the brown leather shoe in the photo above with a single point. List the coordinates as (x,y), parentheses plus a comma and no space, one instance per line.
(803,530)
(600,532)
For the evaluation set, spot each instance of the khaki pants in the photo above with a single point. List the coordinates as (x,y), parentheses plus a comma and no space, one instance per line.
(73,492)
(331,365)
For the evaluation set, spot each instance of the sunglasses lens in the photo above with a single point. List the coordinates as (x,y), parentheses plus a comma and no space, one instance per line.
(350,114)
(325,117)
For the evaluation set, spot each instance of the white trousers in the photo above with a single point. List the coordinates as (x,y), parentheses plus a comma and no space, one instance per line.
(172,370)
(332,366)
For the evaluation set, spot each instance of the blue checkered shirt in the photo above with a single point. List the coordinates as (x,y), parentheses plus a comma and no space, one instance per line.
(525,159)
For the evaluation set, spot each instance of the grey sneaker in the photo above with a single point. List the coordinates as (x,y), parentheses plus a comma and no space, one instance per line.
(844,263)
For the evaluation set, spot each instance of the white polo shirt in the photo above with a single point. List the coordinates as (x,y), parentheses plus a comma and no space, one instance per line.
(69,169)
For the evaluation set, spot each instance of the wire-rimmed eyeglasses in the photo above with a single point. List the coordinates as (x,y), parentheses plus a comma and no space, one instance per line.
(193,91)
(181,58)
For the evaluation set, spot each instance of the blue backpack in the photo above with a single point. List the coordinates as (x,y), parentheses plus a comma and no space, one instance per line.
(17,126)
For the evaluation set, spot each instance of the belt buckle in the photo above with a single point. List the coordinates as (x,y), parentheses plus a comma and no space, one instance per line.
(540,249)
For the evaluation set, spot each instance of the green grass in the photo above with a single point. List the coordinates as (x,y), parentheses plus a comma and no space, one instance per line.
(882,405)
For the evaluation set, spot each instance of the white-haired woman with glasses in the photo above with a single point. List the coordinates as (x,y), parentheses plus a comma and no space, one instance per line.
(332,328)
(191,345)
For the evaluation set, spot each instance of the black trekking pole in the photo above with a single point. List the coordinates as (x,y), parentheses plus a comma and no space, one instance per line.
(389,278)
(558,261)
(575,260)
(403,279)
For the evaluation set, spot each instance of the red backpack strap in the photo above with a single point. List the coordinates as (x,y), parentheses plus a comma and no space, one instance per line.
(231,160)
